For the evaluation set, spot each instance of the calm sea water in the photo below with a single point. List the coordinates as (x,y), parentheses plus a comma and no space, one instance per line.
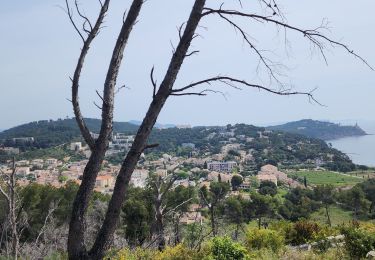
(360,149)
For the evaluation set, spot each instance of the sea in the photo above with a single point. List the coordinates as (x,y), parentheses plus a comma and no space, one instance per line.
(360,149)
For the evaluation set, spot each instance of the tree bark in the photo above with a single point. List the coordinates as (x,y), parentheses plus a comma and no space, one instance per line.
(328,216)
(76,242)
(103,240)
(213,224)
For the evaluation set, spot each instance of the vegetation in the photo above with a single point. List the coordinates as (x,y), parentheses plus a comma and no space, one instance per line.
(49,133)
(325,177)
(319,129)
(304,211)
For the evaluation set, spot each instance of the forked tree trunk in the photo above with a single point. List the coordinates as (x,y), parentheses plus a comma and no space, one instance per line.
(76,241)
(104,238)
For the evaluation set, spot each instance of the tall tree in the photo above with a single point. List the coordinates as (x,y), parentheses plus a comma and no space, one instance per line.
(212,199)
(161,92)
(10,194)
(325,194)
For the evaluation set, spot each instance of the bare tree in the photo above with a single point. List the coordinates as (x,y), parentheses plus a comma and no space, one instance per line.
(14,220)
(161,92)
(165,207)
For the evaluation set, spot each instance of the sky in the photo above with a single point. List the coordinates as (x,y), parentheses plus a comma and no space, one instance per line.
(39,49)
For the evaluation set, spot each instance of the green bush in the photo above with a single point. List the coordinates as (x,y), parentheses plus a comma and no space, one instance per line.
(303,231)
(358,242)
(224,248)
(257,239)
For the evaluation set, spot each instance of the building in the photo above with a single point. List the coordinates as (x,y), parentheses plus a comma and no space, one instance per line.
(139,178)
(51,161)
(188,145)
(22,171)
(22,163)
(77,146)
(104,181)
(221,166)
(267,177)
(23,140)
(10,150)
(214,176)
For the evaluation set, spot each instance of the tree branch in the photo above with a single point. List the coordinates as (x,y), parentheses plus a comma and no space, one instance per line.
(77,73)
(314,35)
(153,81)
(233,82)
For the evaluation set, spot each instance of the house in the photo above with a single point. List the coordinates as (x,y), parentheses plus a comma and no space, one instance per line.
(51,161)
(22,171)
(139,178)
(76,146)
(10,150)
(104,181)
(22,163)
(221,166)
(214,176)
(267,177)
(193,215)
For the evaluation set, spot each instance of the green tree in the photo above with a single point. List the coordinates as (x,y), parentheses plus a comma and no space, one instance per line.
(325,194)
(368,188)
(268,188)
(236,181)
(212,199)
(234,213)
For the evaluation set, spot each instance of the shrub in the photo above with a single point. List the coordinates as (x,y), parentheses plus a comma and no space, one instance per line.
(264,238)
(358,242)
(303,231)
(179,252)
(224,248)
(136,254)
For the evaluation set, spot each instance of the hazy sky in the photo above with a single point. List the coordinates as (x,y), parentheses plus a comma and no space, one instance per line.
(39,49)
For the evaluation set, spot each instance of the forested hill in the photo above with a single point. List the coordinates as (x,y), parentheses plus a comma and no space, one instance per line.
(264,145)
(319,129)
(48,133)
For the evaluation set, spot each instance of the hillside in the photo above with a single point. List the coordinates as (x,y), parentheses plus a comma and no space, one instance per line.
(261,144)
(319,129)
(264,146)
(48,133)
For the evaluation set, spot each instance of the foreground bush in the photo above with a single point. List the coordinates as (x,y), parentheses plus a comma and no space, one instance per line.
(257,239)
(224,248)
(358,240)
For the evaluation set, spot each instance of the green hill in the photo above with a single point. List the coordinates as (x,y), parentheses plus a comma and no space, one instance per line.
(48,133)
(267,146)
(319,129)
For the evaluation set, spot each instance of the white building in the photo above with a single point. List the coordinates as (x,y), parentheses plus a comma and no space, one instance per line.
(139,178)
(221,166)
(77,146)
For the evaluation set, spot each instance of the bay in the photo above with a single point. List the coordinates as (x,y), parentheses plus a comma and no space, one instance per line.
(360,149)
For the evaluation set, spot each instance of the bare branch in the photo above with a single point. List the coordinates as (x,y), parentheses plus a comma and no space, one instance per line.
(150,146)
(179,205)
(77,72)
(87,20)
(191,53)
(233,82)
(201,93)
(69,12)
(313,35)
(153,81)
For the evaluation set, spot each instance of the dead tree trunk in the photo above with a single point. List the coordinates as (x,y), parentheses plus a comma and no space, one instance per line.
(102,242)
(11,197)
(76,242)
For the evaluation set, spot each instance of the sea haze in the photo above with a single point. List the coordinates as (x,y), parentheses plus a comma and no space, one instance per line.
(360,149)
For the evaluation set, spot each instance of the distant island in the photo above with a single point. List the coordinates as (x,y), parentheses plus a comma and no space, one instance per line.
(320,129)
